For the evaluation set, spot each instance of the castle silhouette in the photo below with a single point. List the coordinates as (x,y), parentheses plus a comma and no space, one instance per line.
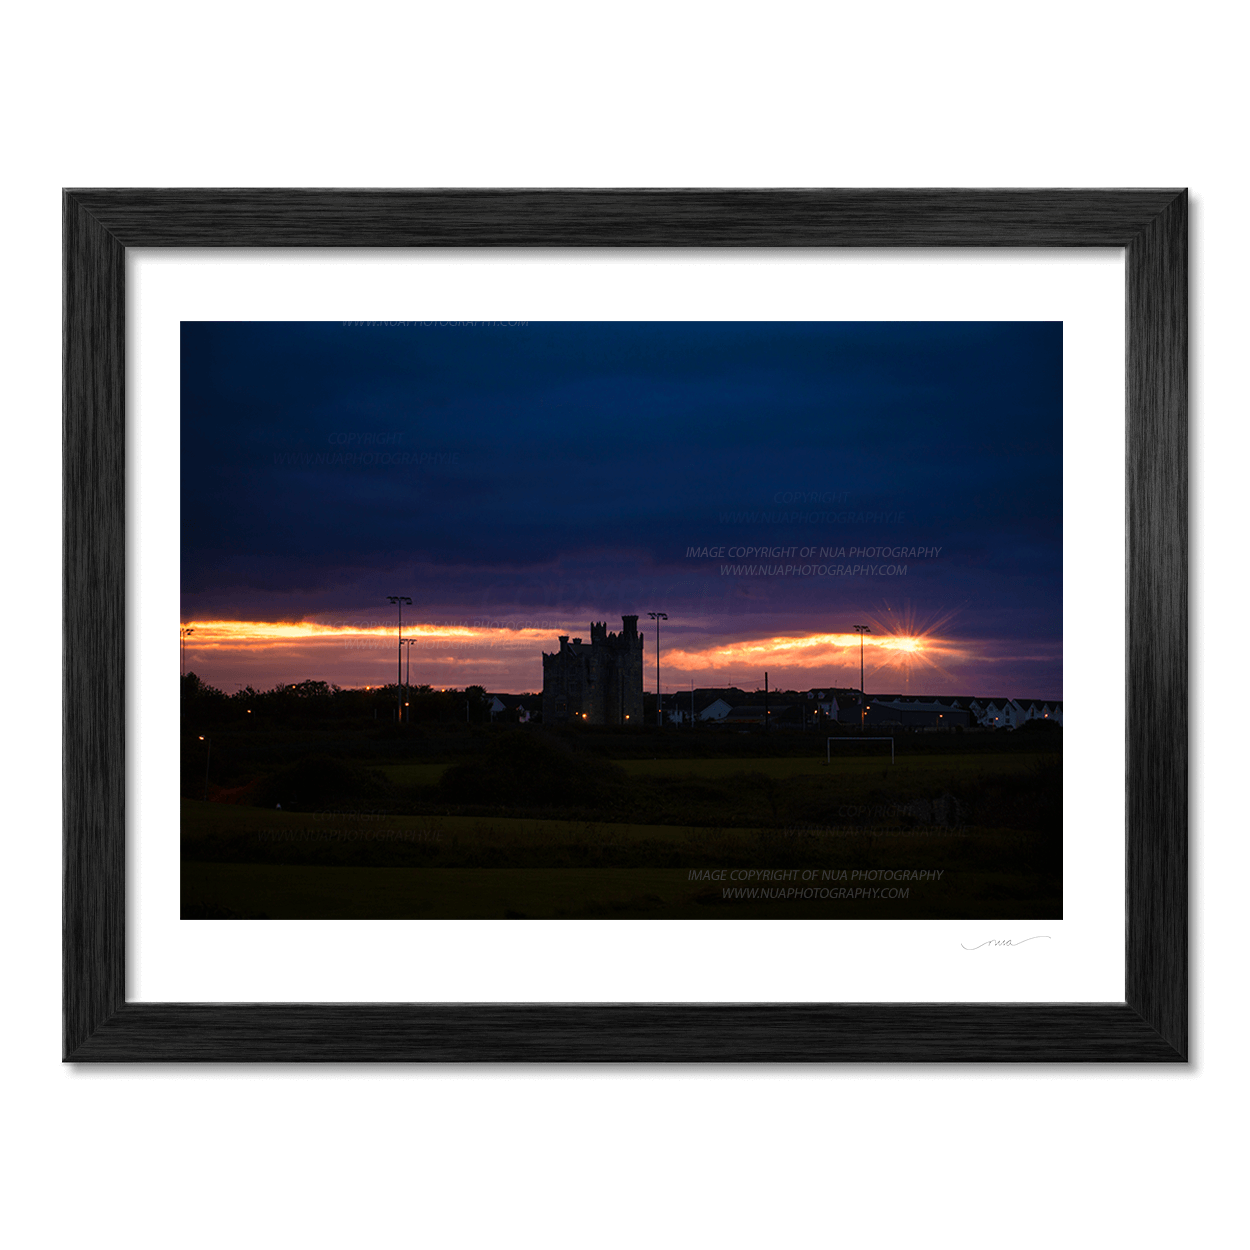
(599,683)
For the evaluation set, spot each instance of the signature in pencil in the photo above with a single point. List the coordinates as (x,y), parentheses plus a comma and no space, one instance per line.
(1005,942)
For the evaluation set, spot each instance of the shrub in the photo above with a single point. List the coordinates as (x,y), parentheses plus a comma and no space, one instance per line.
(319,783)
(530,768)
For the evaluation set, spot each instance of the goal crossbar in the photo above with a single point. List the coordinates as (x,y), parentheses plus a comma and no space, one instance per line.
(830,741)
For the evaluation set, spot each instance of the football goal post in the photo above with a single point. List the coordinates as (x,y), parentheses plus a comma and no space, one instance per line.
(830,741)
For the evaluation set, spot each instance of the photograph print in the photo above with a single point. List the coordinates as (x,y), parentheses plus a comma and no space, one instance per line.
(621,620)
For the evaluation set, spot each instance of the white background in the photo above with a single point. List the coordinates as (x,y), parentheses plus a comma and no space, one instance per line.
(913,94)
(1082,956)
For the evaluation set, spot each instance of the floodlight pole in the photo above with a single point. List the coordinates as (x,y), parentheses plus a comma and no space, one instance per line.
(409,643)
(861,630)
(185,630)
(657,617)
(400,600)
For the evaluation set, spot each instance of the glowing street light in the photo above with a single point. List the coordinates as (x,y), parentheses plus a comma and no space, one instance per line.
(207,758)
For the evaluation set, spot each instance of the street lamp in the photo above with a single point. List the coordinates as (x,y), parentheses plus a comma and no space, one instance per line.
(182,642)
(861,630)
(657,617)
(408,642)
(399,657)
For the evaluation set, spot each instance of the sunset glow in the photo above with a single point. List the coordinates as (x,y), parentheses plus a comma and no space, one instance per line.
(211,634)
(363,654)
(814,649)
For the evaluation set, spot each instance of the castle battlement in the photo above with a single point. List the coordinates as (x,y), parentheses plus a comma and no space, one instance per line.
(597,682)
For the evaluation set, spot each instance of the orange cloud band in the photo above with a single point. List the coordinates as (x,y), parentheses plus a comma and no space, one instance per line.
(806,651)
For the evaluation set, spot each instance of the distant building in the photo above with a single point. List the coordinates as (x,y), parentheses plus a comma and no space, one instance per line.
(826,701)
(717,710)
(908,712)
(848,709)
(1038,709)
(680,707)
(995,713)
(1012,713)
(753,714)
(511,707)
(595,683)
(945,712)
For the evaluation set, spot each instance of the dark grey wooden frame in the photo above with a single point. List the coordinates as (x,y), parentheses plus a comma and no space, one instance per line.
(1149,1025)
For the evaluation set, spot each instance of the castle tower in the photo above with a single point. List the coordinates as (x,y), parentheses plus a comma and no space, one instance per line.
(595,683)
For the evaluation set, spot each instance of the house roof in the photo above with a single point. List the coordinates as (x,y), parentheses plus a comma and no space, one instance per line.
(917,705)
(943,702)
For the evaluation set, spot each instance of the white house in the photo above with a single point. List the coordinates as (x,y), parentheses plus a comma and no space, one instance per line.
(1037,709)
(995,713)
(825,702)
(677,709)
(505,703)
(716,710)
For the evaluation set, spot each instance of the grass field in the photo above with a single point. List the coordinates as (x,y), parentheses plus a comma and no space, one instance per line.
(840,770)
(412,774)
(844,767)
(300,891)
(532,826)
(201,821)
(252,862)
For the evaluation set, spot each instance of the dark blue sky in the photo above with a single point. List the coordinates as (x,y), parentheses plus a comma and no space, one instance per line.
(556,472)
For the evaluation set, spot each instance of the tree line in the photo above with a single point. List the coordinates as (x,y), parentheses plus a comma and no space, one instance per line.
(321,700)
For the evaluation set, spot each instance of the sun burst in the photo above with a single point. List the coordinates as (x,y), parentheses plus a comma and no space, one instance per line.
(906,643)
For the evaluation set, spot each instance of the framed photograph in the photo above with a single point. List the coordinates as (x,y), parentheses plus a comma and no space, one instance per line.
(684,572)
